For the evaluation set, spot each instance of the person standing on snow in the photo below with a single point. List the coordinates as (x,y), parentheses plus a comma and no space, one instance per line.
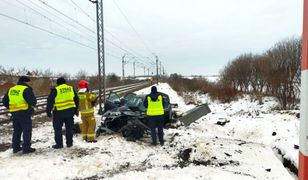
(86,103)
(63,101)
(20,101)
(155,114)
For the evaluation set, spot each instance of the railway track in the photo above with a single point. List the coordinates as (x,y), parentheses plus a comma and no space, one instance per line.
(42,100)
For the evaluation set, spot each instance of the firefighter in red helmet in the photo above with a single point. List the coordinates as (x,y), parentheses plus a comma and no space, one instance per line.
(86,109)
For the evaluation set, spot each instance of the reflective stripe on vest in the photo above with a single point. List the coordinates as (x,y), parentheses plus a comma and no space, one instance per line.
(17,101)
(155,108)
(65,97)
(85,105)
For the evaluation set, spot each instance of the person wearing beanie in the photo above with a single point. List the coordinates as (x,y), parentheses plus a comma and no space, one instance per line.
(63,102)
(86,108)
(60,81)
(155,106)
(20,101)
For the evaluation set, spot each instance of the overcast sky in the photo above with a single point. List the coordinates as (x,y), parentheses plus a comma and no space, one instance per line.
(189,36)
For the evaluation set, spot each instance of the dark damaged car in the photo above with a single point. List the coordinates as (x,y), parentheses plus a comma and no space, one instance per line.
(127,115)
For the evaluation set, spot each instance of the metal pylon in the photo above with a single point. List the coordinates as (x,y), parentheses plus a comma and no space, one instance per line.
(101,53)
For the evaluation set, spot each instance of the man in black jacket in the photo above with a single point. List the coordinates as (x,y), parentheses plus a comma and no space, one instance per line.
(20,101)
(63,101)
(155,114)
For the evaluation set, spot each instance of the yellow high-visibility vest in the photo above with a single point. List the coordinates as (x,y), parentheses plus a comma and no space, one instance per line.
(85,103)
(17,101)
(155,108)
(65,97)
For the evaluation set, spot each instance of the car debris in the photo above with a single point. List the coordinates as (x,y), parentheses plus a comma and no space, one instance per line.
(194,114)
(127,115)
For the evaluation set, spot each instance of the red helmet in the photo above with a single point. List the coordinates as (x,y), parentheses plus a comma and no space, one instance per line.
(83,84)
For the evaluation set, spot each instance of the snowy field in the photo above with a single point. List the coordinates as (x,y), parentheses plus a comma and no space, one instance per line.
(243,148)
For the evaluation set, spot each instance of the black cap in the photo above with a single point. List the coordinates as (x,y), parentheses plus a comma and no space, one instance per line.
(61,80)
(24,79)
(154,89)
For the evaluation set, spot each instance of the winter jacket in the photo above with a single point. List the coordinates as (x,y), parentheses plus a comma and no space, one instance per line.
(86,102)
(29,98)
(64,113)
(154,97)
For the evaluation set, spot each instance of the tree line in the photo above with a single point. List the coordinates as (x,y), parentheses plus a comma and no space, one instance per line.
(275,72)
(43,80)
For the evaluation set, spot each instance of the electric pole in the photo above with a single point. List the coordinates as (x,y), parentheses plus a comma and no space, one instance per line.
(157,68)
(134,69)
(100,52)
(123,62)
(160,69)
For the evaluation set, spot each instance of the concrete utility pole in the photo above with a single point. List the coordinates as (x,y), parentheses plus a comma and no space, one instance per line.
(160,69)
(144,70)
(303,137)
(157,69)
(100,51)
(134,69)
(123,63)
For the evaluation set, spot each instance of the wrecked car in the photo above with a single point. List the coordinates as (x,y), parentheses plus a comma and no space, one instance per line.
(127,115)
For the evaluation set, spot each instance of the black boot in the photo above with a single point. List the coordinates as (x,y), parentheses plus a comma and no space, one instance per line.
(17,150)
(57,146)
(69,145)
(92,141)
(30,150)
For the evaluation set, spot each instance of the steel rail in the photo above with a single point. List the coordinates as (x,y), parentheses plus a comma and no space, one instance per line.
(42,101)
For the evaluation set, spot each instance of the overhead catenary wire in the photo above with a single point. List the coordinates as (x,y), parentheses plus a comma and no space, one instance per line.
(83,11)
(61,19)
(68,17)
(132,52)
(48,5)
(109,41)
(51,20)
(107,31)
(72,29)
(130,24)
(46,30)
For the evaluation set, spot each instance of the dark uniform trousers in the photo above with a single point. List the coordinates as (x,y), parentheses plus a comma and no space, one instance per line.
(57,125)
(156,122)
(22,125)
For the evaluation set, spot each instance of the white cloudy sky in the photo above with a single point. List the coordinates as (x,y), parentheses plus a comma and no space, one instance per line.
(189,36)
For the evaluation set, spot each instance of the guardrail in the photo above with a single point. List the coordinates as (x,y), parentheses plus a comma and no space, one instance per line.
(42,100)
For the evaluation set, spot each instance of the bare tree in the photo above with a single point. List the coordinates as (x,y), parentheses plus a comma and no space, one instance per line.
(81,74)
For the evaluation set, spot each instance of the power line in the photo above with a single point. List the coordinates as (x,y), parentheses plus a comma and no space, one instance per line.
(64,21)
(51,7)
(47,31)
(112,55)
(83,11)
(131,51)
(51,20)
(43,2)
(127,20)
(9,3)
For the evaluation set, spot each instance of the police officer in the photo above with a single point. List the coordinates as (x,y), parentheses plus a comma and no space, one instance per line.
(20,101)
(86,103)
(155,114)
(63,102)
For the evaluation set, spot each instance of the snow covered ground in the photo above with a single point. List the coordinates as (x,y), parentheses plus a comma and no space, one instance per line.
(241,149)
